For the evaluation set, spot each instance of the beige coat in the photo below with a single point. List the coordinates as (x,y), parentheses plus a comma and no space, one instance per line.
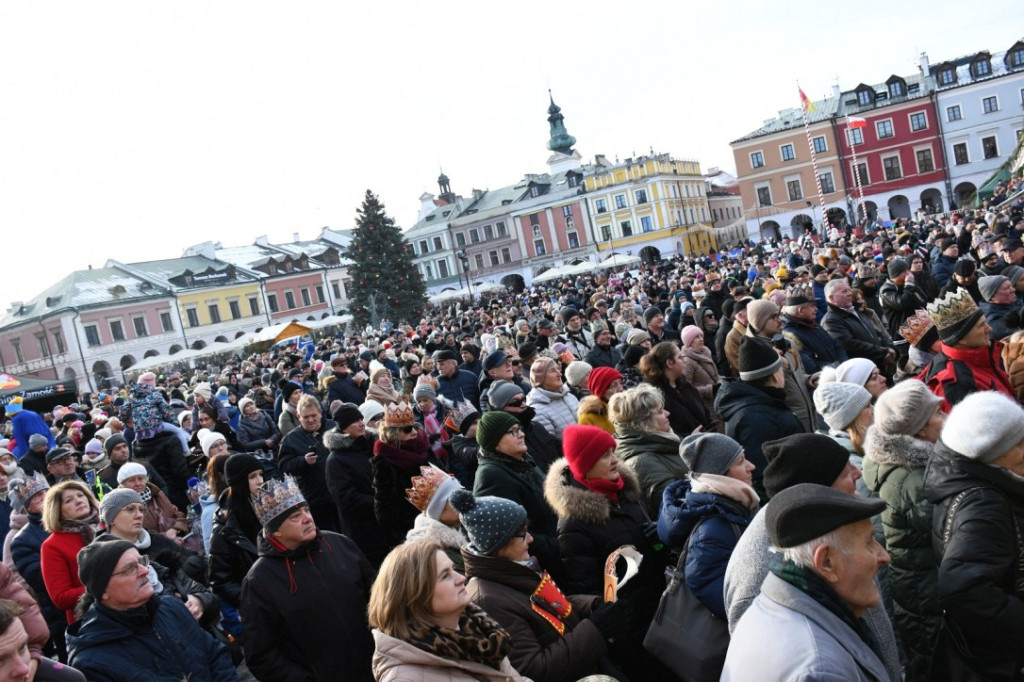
(398,661)
(699,369)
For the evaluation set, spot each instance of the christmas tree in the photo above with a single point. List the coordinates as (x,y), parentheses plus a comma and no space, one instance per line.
(384,282)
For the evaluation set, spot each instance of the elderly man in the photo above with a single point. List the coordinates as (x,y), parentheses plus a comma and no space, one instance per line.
(453,383)
(857,336)
(655,320)
(815,597)
(129,633)
(497,366)
(604,353)
(303,605)
(579,340)
(304,456)
(1000,306)
(800,327)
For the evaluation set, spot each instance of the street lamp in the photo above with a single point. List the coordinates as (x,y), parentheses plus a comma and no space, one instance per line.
(464,257)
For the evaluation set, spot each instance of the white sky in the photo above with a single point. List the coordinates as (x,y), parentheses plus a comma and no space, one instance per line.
(131,130)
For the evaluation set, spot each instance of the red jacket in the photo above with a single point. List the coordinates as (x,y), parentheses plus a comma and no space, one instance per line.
(955,373)
(59,563)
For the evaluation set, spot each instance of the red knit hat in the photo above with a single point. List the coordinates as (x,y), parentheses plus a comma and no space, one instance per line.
(583,445)
(601,378)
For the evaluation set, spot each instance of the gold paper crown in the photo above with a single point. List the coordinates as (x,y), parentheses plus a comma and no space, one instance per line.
(597,326)
(916,326)
(425,485)
(953,308)
(28,487)
(275,498)
(457,414)
(399,414)
(798,291)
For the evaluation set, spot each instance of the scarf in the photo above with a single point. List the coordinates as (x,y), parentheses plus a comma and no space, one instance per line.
(809,582)
(409,456)
(146,495)
(478,639)
(609,489)
(289,408)
(384,396)
(432,426)
(86,528)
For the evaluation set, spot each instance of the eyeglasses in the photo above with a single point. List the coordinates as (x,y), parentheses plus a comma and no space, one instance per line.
(515,431)
(407,429)
(515,402)
(133,568)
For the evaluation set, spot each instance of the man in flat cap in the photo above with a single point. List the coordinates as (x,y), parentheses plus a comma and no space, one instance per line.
(815,597)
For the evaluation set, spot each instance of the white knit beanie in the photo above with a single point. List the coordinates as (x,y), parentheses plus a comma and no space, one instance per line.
(211,439)
(983,426)
(905,408)
(129,469)
(855,371)
(839,403)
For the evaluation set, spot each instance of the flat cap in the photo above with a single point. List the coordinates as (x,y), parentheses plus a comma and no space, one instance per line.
(808,510)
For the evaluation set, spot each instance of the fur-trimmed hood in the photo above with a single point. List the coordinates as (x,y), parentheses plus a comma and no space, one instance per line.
(336,440)
(432,530)
(897,449)
(593,405)
(570,500)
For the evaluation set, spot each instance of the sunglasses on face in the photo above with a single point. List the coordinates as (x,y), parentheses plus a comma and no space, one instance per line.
(516,363)
(407,429)
(515,402)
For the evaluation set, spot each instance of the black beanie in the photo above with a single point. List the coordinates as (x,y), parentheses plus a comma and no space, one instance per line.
(802,458)
(633,354)
(651,312)
(346,415)
(757,359)
(112,442)
(239,466)
(567,314)
(287,388)
(727,307)
(97,561)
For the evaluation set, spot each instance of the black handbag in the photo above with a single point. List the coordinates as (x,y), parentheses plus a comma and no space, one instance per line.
(684,636)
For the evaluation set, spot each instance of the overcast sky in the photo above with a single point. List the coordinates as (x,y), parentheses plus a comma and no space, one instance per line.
(131,130)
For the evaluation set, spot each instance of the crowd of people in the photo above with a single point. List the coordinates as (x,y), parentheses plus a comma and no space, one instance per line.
(823,437)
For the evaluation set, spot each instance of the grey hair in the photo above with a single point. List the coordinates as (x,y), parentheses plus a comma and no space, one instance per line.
(791,310)
(831,286)
(803,554)
(635,408)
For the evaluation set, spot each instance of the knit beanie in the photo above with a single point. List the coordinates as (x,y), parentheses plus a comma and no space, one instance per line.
(94,447)
(583,445)
(378,373)
(759,312)
(855,371)
(633,355)
(601,378)
(239,466)
(243,402)
(988,286)
(96,564)
(112,442)
(287,388)
(839,403)
(501,392)
(709,453)
(492,427)
(576,373)
(371,410)
(116,500)
(211,439)
(896,267)
(129,469)
(802,458)
(567,314)
(490,522)
(757,359)
(650,314)
(37,440)
(637,336)
(983,426)
(1013,273)
(689,333)
(203,389)
(905,408)
(346,415)
(424,390)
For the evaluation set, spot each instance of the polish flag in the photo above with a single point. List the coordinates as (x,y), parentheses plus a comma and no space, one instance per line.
(856,122)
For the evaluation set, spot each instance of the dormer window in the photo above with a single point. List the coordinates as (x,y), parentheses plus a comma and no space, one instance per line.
(981,67)
(534,191)
(947,75)
(573,180)
(865,97)
(897,87)
(1015,57)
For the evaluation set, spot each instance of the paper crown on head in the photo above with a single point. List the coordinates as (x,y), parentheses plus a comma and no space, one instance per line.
(26,488)
(425,487)
(597,326)
(399,414)
(799,294)
(274,498)
(953,308)
(458,414)
(916,326)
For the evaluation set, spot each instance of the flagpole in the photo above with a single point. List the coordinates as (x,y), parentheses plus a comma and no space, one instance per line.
(806,104)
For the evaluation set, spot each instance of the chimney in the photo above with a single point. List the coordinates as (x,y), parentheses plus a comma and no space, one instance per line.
(16,306)
(836,91)
(295,236)
(261,240)
(924,66)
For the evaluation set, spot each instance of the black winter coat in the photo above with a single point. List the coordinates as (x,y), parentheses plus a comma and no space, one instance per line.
(857,336)
(544,448)
(899,303)
(253,434)
(390,481)
(345,390)
(686,409)
(311,478)
(163,452)
(230,558)
(350,480)
(603,357)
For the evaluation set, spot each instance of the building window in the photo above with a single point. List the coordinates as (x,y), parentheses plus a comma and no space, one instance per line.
(254,305)
(474,236)
(166,324)
(606,233)
(641,196)
(953,113)
(289,299)
(989,148)
(820,146)
(787,152)
(306,300)
(947,76)
(319,293)
(620,201)
(506,255)
(460,239)
(982,68)
(488,232)
(502,230)
(600,206)
(1016,58)
(918,121)
(442,268)
(573,180)
(272,303)
(534,191)
(884,129)
(861,173)
(479,258)
(764,196)
(855,136)
(865,97)
(827,184)
(116,330)
(645,224)
(494,258)
(423,247)
(793,187)
(16,345)
(437,244)
(925,162)
(627,228)
(990,104)
(44,345)
(234,309)
(892,168)
(428,272)
(140,326)
(960,156)
(193,317)
(214,311)
(896,89)
(567,210)
(335,289)
(756,160)
(58,340)
(574,240)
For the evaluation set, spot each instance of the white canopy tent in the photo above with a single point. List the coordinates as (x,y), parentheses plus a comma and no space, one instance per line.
(548,275)
(617,260)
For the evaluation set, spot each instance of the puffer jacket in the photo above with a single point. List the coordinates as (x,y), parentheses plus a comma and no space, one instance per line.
(594,412)
(700,371)
(254,433)
(1013,361)
(894,467)
(398,661)
(722,520)
(654,458)
(350,480)
(555,410)
(978,567)
(955,373)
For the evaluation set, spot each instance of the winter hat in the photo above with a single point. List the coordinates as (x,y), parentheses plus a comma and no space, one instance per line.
(839,403)
(287,388)
(577,372)
(182,416)
(601,378)
(633,354)
(346,415)
(104,433)
(112,442)
(709,453)
(583,445)
(96,564)
(567,314)
(489,521)
(966,268)
(808,511)
(905,408)
(983,426)
(689,333)
(238,467)
(757,359)
(758,314)
(24,489)
(14,406)
(129,469)
(492,427)
(501,392)
(203,389)
(370,410)
(896,267)
(116,500)
(494,360)
(637,336)
(58,453)
(243,402)
(211,439)
(424,390)
(378,373)
(1013,273)
(855,371)
(148,378)
(94,447)
(988,286)
(37,440)
(802,458)
(650,313)
(431,489)
(954,314)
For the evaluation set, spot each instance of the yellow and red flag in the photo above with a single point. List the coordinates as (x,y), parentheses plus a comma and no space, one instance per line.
(807,104)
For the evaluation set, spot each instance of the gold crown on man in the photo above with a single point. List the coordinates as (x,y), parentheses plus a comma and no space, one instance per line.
(953,308)
(274,498)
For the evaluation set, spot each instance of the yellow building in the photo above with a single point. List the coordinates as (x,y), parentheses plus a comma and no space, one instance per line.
(654,206)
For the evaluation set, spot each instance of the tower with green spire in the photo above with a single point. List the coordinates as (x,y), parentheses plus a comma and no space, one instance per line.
(561,141)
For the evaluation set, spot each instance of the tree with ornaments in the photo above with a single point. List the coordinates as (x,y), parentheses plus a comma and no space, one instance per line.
(384,282)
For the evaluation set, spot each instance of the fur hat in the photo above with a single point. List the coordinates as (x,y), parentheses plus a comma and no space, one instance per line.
(839,403)
(802,458)
(709,453)
(757,359)
(490,522)
(583,445)
(576,373)
(807,511)
(492,427)
(905,408)
(983,426)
